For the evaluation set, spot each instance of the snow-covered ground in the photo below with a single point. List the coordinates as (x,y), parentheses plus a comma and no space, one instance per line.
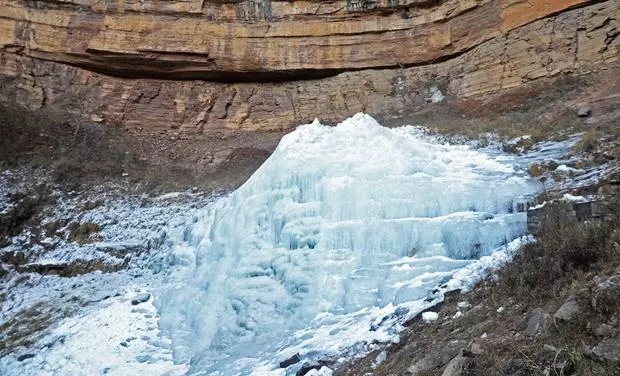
(104,333)
(340,237)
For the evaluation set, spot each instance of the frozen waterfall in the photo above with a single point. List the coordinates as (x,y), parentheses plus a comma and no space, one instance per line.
(341,228)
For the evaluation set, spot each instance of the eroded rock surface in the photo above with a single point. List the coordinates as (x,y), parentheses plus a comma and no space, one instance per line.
(274,39)
(272,65)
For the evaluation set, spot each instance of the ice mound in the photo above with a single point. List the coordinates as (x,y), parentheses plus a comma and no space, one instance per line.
(336,231)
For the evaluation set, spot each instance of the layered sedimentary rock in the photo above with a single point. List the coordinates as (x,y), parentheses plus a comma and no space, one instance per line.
(207,65)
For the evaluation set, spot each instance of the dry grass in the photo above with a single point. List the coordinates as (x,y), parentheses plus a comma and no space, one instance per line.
(76,152)
(563,261)
(538,109)
(75,149)
(28,326)
(588,143)
(25,207)
(564,249)
(83,232)
(25,328)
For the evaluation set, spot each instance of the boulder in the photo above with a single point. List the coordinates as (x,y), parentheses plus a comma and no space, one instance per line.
(380,358)
(140,298)
(584,111)
(608,190)
(605,295)
(436,359)
(568,311)
(476,347)
(458,365)
(538,323)
(605,331)
(23,357)
(290,361)
(608,349)
(550,349)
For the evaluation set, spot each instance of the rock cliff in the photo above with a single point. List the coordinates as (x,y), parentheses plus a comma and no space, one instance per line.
(213,65)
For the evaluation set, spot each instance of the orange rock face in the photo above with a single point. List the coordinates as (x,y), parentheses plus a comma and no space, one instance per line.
(213,65)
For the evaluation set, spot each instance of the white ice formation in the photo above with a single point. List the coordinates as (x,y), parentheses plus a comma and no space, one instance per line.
(341,228)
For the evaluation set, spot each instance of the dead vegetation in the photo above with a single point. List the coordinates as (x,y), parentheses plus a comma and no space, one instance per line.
(568,258)
(74,150)
(82,233)
(564,250)
(30,325)
(536,109)
(25,328)
(25,206)
(544,110)
(58,140)
(74,268)
(588,143)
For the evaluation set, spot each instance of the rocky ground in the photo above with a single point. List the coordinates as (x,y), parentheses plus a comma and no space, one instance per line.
(72,193)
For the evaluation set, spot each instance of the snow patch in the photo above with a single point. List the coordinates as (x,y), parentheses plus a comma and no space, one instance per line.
(323,371)
(428,317)
(571,198)
(436,95)
(114,339)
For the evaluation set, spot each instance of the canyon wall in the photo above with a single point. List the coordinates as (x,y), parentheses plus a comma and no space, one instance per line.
(211,66)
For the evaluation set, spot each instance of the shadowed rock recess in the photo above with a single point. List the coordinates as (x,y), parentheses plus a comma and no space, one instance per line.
(204,66)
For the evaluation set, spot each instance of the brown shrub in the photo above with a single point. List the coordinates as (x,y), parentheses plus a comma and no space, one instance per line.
(588,143)
(26,205)
(83,232)
(24,328)
(75,149)
(564,247)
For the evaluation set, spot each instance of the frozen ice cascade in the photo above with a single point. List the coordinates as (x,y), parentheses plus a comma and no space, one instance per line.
(338,237)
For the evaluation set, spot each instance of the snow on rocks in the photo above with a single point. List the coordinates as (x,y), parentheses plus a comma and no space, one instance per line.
(140,298)
(430,316)
(561,171)
(380,358)
(436,96)
(323,371)
(571,198)
(61,293)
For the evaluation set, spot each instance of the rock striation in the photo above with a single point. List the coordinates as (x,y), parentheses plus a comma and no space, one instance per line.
(203,66)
